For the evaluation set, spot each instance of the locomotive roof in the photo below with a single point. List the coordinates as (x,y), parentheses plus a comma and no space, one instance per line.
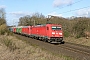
(44,25)
(35,25)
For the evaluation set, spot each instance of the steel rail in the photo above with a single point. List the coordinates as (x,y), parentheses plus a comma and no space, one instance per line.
(73,48)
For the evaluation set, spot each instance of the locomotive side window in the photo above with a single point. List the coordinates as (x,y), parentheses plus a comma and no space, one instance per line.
(47,28)
(56,28)
(28,28)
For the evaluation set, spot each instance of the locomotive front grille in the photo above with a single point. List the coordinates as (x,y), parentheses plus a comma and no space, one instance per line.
(56,39)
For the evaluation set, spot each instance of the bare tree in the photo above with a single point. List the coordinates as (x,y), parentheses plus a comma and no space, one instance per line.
(2,13)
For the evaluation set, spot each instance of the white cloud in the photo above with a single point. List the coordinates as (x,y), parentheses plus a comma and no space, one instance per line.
(13,17)
(20,13)
(57,3)
(83,13)
(55,14)
(2,6)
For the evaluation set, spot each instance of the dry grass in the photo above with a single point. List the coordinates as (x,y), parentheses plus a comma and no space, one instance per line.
(82,41)
(24,51)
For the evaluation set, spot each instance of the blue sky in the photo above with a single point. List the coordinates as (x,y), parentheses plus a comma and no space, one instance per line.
(18,8)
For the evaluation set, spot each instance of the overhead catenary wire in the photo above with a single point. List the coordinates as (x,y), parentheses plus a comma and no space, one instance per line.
(74,10)
(68,5)
(71,4)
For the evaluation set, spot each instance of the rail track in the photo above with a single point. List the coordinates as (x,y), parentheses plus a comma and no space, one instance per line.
(76,48)
(76,51)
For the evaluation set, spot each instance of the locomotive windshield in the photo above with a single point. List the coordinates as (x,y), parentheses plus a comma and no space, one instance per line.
(56,28)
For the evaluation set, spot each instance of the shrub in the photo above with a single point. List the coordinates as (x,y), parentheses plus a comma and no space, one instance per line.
(3,29)
(80,27)
(66,34)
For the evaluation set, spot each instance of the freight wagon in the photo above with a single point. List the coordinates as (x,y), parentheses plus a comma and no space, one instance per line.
(14,29)
(19,29)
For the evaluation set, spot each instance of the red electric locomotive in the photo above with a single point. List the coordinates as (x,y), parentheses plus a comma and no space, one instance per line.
(50,32)
(26,30)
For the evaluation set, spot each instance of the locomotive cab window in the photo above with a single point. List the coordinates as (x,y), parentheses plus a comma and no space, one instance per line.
(56,28)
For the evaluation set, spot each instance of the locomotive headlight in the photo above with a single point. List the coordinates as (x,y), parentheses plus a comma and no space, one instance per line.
(60,33)
(53,32)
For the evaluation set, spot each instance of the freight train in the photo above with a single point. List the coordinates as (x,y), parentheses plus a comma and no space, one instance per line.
(51,33)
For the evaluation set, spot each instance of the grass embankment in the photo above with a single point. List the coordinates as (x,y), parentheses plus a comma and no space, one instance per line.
(12,48)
